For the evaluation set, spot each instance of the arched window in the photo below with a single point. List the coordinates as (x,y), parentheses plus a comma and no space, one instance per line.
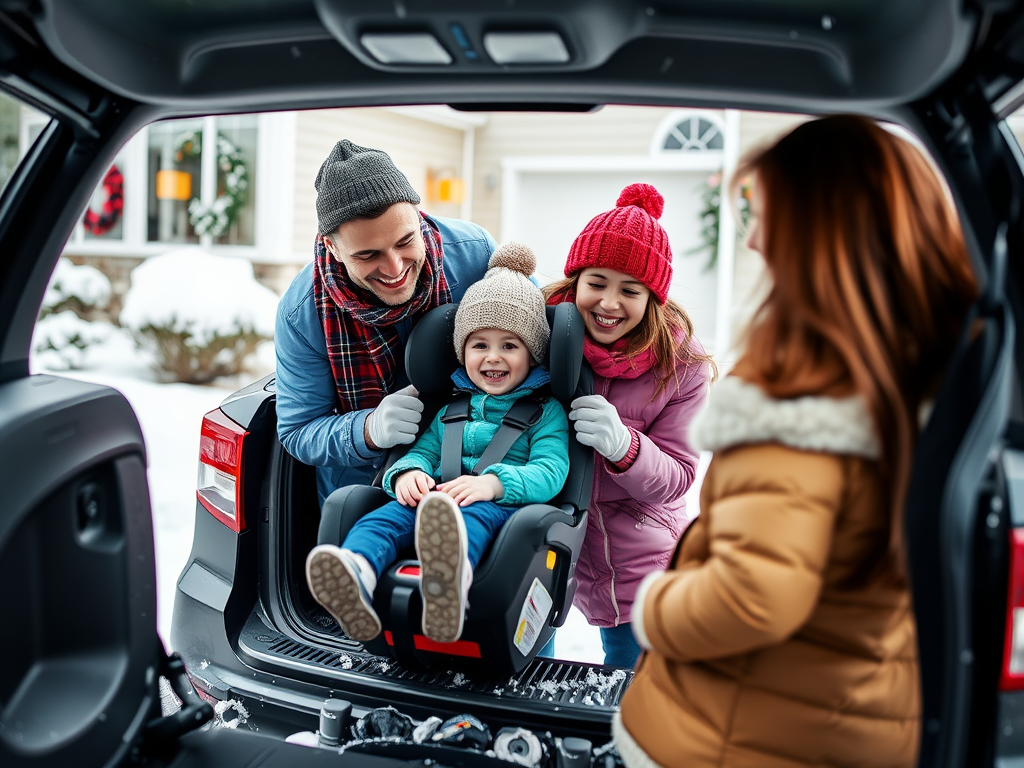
(691,132)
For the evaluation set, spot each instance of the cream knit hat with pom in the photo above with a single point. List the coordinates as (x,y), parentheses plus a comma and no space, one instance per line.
(506,299)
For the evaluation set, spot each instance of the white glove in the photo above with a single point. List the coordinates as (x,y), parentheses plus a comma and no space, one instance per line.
(395,420)
(599,426)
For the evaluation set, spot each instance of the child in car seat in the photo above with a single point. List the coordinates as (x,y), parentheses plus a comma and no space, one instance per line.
(501,336)
(650,379)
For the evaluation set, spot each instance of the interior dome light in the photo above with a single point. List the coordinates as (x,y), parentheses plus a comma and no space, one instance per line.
(526,48)
(405,48)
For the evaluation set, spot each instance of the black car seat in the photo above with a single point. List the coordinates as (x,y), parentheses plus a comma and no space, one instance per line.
(524,585)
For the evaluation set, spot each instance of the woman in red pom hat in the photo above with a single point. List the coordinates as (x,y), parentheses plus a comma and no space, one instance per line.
(651,377)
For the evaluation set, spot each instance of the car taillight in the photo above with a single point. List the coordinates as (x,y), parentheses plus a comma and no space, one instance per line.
(219,486)
(1012,678)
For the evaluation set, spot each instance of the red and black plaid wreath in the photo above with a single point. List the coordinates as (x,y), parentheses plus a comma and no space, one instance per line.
(113,190)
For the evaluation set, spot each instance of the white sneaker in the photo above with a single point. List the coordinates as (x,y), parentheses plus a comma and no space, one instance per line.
(334,580)
(445,574)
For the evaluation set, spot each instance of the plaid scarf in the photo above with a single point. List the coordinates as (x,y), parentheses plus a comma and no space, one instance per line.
(362,337)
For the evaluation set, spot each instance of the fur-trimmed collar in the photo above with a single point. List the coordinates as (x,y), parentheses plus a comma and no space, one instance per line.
(632,754)
(739,412)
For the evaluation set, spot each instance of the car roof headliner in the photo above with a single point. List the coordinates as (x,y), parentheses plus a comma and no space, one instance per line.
(203,56)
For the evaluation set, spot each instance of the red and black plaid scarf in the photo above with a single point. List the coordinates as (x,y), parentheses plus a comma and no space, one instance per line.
(362,337)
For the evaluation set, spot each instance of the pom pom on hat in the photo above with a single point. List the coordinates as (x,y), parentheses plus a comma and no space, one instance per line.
(506,299)
(628,239)
(642,196)
(515,256)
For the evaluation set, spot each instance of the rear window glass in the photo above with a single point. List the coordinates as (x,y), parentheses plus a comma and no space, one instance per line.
(20,126)
(168,287)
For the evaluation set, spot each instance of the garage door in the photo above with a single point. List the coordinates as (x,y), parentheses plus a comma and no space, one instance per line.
(552,208)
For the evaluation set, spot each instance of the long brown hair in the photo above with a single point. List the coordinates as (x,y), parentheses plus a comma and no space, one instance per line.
(665,329)
(871,279)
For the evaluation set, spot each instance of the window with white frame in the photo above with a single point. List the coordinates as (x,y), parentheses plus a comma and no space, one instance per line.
(692,132)
(174,178)
(179,182)
(201,176)
(20,126)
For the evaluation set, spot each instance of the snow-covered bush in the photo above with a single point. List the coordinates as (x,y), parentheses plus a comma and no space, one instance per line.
(74,297)
(60,340)
(201,315)
(80,288)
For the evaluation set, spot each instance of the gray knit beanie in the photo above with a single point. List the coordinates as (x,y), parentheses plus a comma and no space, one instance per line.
(506,299)
(354,181)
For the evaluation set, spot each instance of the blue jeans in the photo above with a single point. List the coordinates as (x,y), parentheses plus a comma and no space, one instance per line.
(620,647)
(381,534)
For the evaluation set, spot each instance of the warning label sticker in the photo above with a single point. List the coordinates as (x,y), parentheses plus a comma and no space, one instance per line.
(535,612)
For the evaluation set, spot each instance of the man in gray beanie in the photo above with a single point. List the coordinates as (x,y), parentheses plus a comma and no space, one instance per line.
(378,265)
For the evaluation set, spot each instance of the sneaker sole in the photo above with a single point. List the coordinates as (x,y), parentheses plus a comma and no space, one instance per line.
(336,589)
(439,530)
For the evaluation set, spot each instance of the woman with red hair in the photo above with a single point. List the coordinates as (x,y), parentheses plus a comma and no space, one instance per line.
(782,633)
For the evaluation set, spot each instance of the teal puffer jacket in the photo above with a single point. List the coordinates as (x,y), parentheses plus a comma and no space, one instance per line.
(535,467)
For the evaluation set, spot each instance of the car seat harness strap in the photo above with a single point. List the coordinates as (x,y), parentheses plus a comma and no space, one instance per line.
(523,414)
(454,419)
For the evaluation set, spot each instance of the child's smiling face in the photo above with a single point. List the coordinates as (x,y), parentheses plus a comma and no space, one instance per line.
(612,303)
(497,361)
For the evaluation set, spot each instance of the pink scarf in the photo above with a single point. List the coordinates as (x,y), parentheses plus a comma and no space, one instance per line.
(613,363)
(610,362)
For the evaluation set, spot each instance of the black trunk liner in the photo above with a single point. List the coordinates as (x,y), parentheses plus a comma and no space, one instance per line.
(593,689)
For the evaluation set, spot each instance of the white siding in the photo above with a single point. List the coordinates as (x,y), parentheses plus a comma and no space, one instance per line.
(761,128)
(609,131)
(750,281)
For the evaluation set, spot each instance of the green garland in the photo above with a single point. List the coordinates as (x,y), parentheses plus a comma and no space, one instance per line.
(709,214)
(216,219)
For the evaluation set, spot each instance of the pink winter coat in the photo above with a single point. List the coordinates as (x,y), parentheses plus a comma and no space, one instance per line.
(637,516)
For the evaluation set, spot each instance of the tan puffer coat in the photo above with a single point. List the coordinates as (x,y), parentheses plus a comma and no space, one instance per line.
(778,636)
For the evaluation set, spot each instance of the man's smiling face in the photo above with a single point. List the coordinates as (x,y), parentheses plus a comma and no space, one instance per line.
(383,255)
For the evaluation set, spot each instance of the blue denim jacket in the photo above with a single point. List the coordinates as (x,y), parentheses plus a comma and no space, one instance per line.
(307,425)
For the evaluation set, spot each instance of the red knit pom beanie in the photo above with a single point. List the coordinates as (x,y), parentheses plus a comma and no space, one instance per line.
(628,239)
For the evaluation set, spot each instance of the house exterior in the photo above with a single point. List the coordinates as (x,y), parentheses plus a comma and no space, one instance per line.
(243,185)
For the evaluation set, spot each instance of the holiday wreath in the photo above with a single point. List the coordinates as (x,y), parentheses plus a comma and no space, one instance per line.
(216,219)
(710,211)
(113,203)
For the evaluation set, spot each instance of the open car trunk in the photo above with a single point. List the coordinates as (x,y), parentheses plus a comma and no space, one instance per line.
(300,654)
(75,533)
